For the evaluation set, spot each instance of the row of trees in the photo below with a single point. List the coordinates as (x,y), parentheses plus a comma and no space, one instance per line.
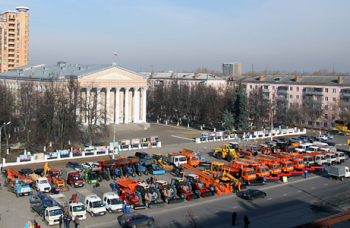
(40,116)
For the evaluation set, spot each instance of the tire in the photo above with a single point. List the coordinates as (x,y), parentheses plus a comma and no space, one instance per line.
(138,197)
(264,195)
(167,200)
(139,173)
(92,214)
(17,194)
(99,179)
(89,181)
(133,226)
(72,185)
(146,172)
(341,178)
(108,177)
(183,195)
(8,188)
(174,189)
(219,155)
(47,223)
(188,185)
(133,174)
(147,204)
(197,192)
(110,211)
(150,222)
(230,157)
(113,177)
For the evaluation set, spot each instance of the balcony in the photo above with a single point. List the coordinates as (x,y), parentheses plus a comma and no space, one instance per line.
(313,91)
(265,90)
(283,91)
(345,93)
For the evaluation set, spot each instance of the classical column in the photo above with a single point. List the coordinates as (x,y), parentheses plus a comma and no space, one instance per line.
(144,104)
(136,107)
(108,102)
(126,108)
(88,94)
(77,111)
(98,106)
(117,98)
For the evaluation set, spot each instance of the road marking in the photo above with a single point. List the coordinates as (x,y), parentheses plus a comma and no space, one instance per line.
(195,216)
(299,191)
(313,188)
(284,194)
(216,212)
(269,199)
(234,207)
(175,136)
(325,184)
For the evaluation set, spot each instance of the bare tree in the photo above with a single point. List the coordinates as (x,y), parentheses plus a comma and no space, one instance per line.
(192,219)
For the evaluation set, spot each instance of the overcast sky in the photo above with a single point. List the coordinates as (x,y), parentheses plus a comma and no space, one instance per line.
(178,35)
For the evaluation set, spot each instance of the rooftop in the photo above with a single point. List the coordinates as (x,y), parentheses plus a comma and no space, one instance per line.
(182,76)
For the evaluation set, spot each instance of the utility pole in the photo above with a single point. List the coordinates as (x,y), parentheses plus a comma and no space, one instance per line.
(0,137)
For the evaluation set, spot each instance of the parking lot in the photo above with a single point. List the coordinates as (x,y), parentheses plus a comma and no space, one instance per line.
(15,211)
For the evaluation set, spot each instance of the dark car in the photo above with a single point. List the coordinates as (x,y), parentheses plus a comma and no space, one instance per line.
(39,172)
(307,138)
(135,220)
(334,132)
(329,143)
(253,194)
(26,172)
(74,165)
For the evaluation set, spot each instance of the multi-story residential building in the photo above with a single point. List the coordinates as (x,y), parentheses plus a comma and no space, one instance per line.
(323,92)
(14,38)
(232,69)
(189,79)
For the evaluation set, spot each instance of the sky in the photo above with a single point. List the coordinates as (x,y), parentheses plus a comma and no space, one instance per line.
(182,35)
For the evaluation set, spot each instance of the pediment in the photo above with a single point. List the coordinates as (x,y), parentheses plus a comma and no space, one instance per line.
(114,76)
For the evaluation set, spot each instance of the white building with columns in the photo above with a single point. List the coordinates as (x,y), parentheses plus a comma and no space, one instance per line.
(121,93)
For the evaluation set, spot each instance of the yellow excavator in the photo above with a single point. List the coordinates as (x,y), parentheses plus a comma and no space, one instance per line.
(54,177)
(159,161)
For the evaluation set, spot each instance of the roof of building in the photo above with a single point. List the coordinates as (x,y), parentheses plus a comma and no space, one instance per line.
(182,76)
(303,80)
(61,70)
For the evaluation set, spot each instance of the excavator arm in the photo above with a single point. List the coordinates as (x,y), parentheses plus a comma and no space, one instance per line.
(11,174)
(74,199)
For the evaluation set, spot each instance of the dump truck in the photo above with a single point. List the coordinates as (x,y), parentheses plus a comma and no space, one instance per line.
(227,151)
(110,199)
(41,184)
(274,166)
(74,208)
(175,160)
(92,202)
(339,172)
(72,177)
(167,192)
(46,208)
(127,193)
(17,183)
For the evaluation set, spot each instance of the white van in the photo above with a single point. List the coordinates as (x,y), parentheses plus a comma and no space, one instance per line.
(320,144)
(312,149)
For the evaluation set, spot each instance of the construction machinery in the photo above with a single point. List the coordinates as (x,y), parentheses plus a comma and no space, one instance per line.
(158,160)
(210,181)
(167,192)
(149,196)
(227,151)
(261,170)
(54,177)
(198,186)
(298,163)
(183,189)
(127,192)
(90,175)
(117,170)
(192,159)
(272,162)
(110,199)
(202,159)
(46,208)
(104,172)
(17,183)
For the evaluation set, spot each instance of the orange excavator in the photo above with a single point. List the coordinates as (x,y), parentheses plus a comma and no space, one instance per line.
(17,183)
(210,182)
(54,177)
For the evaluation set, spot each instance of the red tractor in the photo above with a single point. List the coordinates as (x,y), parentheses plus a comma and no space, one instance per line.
(128,197)
(198,187)
(183,189)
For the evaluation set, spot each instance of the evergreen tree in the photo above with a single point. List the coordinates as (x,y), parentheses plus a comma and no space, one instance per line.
(240,112)
(227,118)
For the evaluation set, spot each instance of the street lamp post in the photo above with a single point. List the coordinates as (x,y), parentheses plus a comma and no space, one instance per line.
(0,137)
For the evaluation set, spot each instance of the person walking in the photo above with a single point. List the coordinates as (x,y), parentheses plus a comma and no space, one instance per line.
(76,221)
(114,186)
(305,173)
(246,221)
(155,179)
(69,219)
(234,216)
(127,208)
(60,221)
(147,181)
(151,180)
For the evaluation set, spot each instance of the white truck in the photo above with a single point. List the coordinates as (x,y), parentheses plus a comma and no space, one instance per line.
(46,208)
(74,208)
(320,159)
(331,158)
(110,199)
(339,172)
(175,160)
(41,184)
(92,202)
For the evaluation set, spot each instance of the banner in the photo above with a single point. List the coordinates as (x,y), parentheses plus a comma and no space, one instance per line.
(232,134)
(204,134)
(226,133)
(52,154)
(145,140)
(125,142)
(219,134)
(24,157)
(212,134)
(154,139)
(64,152)
(135,141)
(101,148)
(39,156)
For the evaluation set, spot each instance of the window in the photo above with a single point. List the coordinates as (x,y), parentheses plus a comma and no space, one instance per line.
(291,96)
(297,89)
(291,88)
(326,98)
(17,56)
(326,107)
(309,123)
(251,86)
(17,51)
(17,61)
(334,90)
(317,124)
(302,121)
(325,125)
(326,90)
(334,99)
(297,97)
(326,116)
(333,125)
(4,60)
(303,97)
(273,88)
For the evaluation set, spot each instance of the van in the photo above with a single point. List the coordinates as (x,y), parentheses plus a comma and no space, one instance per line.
(306,144)
(331,158)
(312,149)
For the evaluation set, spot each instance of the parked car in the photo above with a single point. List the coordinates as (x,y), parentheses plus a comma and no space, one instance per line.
(88,165)
(26,172)
(329,143)
(328,135)
(344,133)
(74,165)
(39,172)
(307,138)
(295,140)
(135,220)
(251,194)
(334,132)
(274,141)
(321,137)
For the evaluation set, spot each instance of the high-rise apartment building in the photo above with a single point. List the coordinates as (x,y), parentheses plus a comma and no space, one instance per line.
(14,38)
(232,69)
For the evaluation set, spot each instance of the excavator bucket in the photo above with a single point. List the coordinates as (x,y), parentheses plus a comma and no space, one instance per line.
(168,168)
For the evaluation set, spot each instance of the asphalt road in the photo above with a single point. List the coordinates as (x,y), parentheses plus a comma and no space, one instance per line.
(286,204)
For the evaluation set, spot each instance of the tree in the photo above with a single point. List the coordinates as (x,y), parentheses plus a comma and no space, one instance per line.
(240,108)
(227,118)
(259,107)
(192,219)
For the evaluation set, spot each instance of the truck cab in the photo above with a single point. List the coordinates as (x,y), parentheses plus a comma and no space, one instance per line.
(320,159)
(20,188)
(331,158)
(177,160)
(193,160)
(94,206)
(340,156)
(112,202)
(77,209)
(42,184)
(52,215)
(75,180)
(309,161)
(274,168)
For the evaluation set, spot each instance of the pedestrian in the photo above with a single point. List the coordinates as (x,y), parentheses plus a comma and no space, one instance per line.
(127,208)
(60,221)
(151,180)
(234,216)
(69,219)
(147,180)
(264,178)
(246,221)
(114,186)
(155,179)
(65,220)
(324,167)
(183,174)
(305,173)
(76,221)
(124,211)
(235,188)
(139,181)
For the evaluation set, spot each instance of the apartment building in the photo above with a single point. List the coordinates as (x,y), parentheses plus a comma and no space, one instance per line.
(14,38)
(189,79)
(232,69)
(323,92)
